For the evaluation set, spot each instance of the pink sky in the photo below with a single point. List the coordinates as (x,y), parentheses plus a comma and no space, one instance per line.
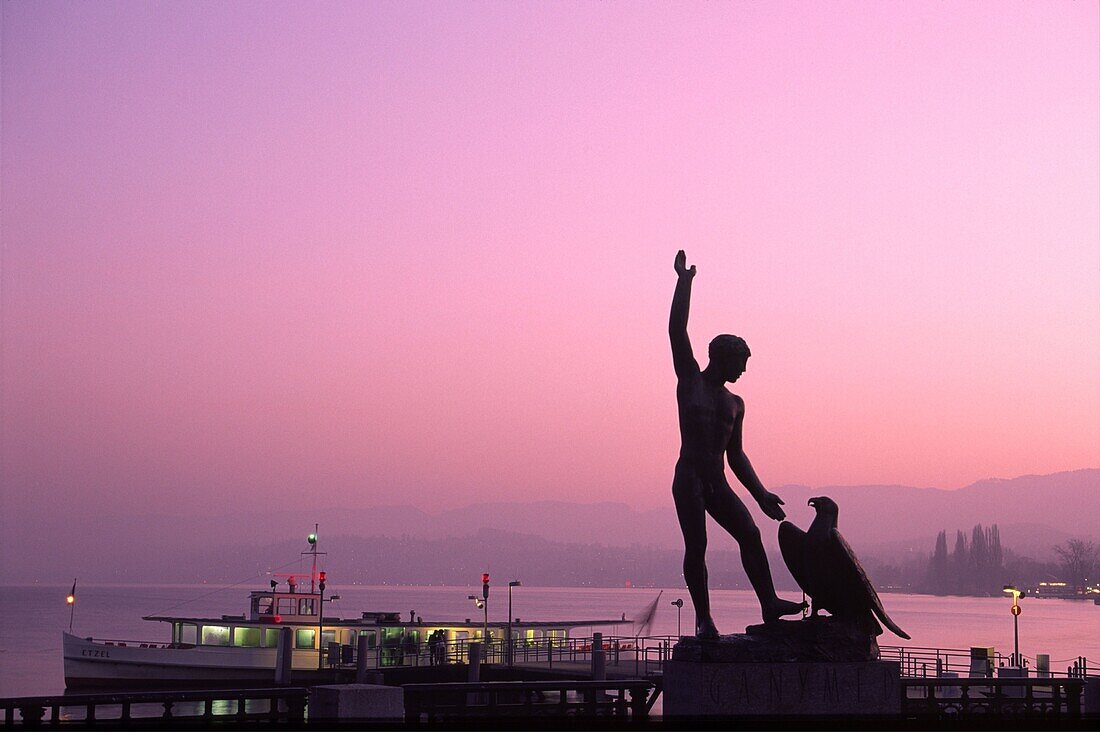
(347,254)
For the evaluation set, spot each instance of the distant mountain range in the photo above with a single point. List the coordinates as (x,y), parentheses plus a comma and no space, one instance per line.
(1033,513)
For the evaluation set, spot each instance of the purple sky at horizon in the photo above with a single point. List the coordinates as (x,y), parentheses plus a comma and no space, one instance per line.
(342,254)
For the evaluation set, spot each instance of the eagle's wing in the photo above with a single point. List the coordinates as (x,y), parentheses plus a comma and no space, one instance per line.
(853,579)
(792,544)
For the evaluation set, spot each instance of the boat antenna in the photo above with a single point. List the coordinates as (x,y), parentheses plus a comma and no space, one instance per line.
(312,539)
(71,599)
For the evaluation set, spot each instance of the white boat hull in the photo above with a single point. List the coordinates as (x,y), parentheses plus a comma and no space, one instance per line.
(91,663)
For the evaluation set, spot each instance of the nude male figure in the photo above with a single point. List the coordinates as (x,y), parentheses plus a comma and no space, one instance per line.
(710,427)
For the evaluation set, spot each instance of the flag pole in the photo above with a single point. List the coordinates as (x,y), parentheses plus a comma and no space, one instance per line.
(72,604)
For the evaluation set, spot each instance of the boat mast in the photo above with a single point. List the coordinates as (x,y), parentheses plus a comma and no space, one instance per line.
(313,550)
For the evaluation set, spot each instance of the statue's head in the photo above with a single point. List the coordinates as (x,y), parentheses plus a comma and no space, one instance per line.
(730,355)
(824,505)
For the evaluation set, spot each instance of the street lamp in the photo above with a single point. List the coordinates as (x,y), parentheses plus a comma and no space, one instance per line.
(480,604)
(1016,595)
(678,603)
(513,583)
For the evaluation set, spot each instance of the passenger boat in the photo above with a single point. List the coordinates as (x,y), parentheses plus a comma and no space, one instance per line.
(243,649)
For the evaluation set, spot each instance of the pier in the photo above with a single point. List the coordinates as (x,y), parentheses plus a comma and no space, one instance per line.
(596,678)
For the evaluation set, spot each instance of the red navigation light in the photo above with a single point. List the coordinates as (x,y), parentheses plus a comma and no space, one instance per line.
(485,578)
(321,576)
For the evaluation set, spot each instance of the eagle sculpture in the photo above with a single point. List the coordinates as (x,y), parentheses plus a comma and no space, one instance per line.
(826,568)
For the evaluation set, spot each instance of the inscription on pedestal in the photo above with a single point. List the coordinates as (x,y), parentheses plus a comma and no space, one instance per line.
(781,689)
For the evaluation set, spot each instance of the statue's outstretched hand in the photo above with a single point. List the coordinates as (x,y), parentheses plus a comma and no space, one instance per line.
(770,505)
(681,265)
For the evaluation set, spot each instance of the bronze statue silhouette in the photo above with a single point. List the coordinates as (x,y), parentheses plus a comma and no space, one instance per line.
(827,569)
(711,419)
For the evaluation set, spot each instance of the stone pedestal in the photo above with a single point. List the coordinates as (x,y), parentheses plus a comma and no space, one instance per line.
(782,689)
(792,668)
(821,639)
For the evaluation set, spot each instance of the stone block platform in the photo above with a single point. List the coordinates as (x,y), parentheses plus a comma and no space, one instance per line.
(792,668)
(781,689)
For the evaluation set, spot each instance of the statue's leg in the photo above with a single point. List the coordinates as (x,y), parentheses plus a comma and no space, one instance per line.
(687,491)
(731,514)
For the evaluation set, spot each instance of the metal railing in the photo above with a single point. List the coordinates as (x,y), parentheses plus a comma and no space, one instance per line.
(625,698)
(920,662)
(647,653)
(139,709)
(992,697)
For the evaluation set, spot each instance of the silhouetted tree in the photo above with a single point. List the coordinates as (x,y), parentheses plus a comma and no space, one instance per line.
(938,572)
(978,563)
(1078,559)
(959,563)
(996,554)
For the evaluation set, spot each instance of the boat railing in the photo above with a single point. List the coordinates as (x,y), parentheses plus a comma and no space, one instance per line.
(127,642)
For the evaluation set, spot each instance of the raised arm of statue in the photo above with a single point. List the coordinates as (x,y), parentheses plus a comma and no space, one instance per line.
(683,360)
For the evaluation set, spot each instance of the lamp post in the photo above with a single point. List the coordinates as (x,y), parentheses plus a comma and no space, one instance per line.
(480,604)
(321,621)
(678,603)
(1016,595)
(513,583)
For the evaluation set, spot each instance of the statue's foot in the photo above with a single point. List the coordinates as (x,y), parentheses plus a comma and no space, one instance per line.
(778,608)
(706,630)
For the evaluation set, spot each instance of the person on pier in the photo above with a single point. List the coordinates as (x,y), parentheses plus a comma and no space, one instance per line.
(711,419)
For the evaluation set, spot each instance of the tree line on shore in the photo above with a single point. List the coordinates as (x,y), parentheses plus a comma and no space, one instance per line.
(980,565)
(976,567)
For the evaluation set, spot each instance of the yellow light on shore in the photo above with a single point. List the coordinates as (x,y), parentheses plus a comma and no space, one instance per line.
(70,599)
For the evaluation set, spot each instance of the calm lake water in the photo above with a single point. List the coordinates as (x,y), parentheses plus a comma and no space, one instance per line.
(33,617)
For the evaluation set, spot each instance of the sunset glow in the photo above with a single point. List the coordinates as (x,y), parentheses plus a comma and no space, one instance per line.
(421,253)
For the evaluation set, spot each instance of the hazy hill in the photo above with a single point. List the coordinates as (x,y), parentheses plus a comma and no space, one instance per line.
(1034,512)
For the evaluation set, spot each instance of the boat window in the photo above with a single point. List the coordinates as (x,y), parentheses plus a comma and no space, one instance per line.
(327,636)
(288,606)
(189,633)
(247,637)
(271,637)
(305,606)
(372,638)
(305,638)
(264,605)
(215,635)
